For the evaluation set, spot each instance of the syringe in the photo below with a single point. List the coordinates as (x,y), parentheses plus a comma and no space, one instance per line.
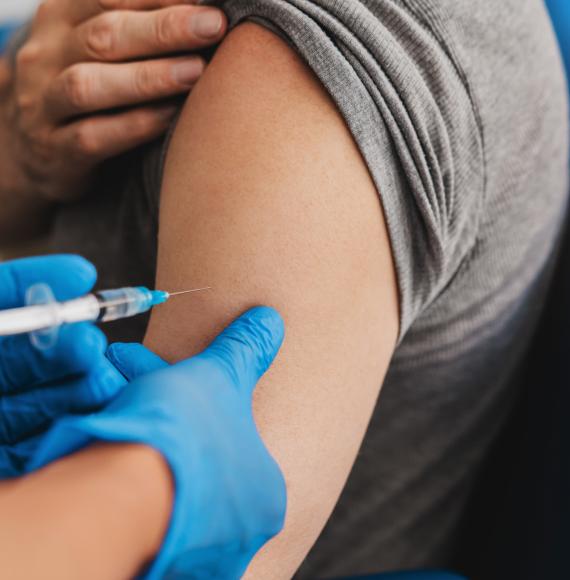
(104,306)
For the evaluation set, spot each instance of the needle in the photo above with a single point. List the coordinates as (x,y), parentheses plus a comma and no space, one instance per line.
(189,291)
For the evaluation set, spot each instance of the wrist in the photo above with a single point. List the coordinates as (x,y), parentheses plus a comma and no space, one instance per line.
(110,500)
(130,493)
(131,485)
(147,493)
(135,484)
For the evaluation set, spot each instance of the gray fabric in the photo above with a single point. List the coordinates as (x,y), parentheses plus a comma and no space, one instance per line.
(459,109)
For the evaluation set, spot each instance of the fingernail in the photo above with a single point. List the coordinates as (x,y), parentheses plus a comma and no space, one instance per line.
(207,24)
(187,72)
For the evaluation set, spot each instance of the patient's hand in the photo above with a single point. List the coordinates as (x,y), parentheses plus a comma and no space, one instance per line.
(93,81)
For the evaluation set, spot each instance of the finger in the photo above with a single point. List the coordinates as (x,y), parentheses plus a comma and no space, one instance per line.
(77,12)
(91,87)
(134,360)
(79,349)
(28,414)
(68,277)
(248,347)
(123,35)
(98,138)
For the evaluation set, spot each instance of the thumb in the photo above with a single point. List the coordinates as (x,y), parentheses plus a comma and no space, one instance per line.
(134,360)
(248,347)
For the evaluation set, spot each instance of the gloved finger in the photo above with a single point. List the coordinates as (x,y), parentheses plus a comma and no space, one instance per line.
(28,414)
(68,277)
(134,360)
(79,348)
(248,347)
(13,458)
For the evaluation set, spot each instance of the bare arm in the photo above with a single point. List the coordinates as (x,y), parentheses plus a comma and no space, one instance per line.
(99,514)
(267,199)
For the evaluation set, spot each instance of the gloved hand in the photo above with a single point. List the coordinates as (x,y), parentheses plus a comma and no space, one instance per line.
(230,495)
(37,387)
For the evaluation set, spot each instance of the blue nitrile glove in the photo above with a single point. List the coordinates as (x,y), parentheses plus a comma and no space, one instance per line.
(37,387)
(230,495)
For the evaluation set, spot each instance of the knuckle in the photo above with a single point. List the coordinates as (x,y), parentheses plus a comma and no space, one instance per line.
(85,143)
(142,124)
(25,103)
(149,81)
(76,87)
(27,55)
(143,80)
(25,110)
(39,142)
(101,36)
(165,29)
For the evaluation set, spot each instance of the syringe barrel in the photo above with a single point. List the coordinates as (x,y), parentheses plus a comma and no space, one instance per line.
(22,320)
(123,303)
(104,306)
(44,316)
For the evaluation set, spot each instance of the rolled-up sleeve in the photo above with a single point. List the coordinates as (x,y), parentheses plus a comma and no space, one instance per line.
(396,78)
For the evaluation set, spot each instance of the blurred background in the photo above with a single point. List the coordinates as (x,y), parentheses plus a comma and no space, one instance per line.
(16,8)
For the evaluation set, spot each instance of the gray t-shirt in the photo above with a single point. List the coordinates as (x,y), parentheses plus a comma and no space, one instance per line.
(459,109)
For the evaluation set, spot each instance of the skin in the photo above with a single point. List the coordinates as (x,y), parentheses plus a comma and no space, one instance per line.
(267,199)
(111,500)
(93,81)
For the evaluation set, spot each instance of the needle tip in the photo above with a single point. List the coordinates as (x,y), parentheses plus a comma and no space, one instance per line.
(189,291)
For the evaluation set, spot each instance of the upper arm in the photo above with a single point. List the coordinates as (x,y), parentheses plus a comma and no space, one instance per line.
(267,199)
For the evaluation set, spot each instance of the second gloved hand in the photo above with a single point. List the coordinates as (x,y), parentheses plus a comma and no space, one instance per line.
(229,493)
(38,387)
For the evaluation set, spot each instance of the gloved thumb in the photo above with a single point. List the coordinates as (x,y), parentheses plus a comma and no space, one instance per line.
(134,360)
(248,347)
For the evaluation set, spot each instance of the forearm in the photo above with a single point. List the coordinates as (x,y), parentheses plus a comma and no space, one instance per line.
(99,514)
(22,214)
